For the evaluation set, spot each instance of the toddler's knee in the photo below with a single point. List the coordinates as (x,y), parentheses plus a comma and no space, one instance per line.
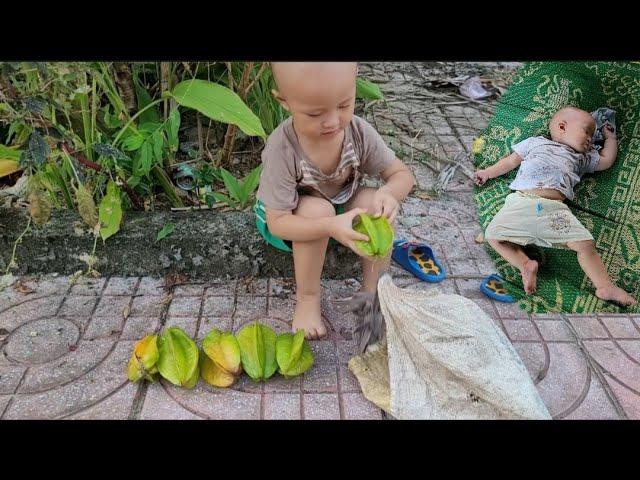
(315,208)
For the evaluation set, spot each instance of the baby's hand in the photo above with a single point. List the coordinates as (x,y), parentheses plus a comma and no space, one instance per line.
(481,176)
(608,132)
(342,229)
(385,204)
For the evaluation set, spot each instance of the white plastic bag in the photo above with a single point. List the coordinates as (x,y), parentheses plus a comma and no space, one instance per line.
(446,360)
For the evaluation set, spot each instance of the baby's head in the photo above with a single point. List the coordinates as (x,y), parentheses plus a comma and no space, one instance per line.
(573,127)
(319,95)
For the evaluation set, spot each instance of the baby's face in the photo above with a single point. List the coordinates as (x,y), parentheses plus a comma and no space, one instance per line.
(580,133)
(577,131)
(320,98)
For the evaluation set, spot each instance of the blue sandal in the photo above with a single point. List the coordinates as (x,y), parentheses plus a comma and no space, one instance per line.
(418,258)
(493,287)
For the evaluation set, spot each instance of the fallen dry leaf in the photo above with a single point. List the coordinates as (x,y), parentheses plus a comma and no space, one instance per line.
(173,279)
(18,286)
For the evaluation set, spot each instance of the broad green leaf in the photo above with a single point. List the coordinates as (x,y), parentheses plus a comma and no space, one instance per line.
(221,197)
(293,354)
(215,375)
(258,351)
(150,127)
(110,211)
(224,350)
(219,103)
(158,143)
(250,183)
(368,90)
(172,127)
(144,99)
(178,361)
(145,159)
(165,231)
(380,236)
(231,183)
(132,142)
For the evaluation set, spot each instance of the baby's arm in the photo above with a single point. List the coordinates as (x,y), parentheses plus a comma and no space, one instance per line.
(609,151)
(398,182)
(503,166)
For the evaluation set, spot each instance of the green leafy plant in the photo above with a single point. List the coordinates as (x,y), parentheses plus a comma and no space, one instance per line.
(110,211)
(368,90)
(380,235)
(239,191)
(165,231)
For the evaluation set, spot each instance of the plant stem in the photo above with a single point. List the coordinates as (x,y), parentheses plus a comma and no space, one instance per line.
(128,124)
(15,246)
(167,186)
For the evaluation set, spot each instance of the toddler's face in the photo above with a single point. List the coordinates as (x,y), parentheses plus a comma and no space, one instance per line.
(320,98)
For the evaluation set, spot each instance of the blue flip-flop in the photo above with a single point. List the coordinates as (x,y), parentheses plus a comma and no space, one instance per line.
(493,287)
(418,258)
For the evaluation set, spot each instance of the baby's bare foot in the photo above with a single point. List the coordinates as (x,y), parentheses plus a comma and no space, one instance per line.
(307,317)
(616,294)
(529,272)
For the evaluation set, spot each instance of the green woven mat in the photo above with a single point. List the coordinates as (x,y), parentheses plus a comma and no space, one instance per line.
(607,203)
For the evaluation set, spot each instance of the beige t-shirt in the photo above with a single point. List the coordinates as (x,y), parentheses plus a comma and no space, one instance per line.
(287,171)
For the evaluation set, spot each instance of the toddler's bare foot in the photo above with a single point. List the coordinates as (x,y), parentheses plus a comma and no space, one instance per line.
(307,317)
(616,294)
(529,272)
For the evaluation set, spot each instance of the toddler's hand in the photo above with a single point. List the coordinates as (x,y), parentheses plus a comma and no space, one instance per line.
(480,177)
(342,230)
(385,204)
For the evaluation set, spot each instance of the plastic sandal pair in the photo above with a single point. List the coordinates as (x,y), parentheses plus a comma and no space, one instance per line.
(418,259)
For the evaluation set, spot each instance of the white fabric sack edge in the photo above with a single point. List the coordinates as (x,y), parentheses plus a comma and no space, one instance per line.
(448,360)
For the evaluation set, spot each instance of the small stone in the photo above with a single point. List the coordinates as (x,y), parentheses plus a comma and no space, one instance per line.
(480,238)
